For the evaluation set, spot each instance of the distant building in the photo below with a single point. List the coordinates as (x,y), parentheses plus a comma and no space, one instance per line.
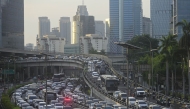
(160,15)
(100,28)
(125,21)
(55,31)
(72,49)
(29,46)
(82,25)
(107,33)
(44,26)
(147,26)
(94,41)
(12,24)
(180,12)
(65,29)
(51,43)
(82,10)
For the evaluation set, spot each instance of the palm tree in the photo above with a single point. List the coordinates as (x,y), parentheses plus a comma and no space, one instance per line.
(166,48)
(185,43)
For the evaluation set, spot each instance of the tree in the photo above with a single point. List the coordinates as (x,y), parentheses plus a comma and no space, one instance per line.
(185,43)
(166,48)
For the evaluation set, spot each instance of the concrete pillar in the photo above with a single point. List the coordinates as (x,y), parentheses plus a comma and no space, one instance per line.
(28,71)
(43,70)
(36,72)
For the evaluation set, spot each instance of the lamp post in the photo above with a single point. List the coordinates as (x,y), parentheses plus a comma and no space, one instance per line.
(127,46)
(152,50)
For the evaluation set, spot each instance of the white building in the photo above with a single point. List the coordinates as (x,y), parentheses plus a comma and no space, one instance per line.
(44,26)
(29,46)
(65,29)
(51,43)
(94,41)
(100,28)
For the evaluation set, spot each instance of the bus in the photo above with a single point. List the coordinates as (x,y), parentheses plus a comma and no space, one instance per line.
(109,83)
(51,95)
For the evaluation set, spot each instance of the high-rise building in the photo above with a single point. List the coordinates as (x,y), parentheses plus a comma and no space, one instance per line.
(65,28)
(180,12)
(12,23)
(125,21)
(160,15)
(107,33)
(44,26)
(29,46)
(82,10)
(100,28)
(0,25)
(147,26)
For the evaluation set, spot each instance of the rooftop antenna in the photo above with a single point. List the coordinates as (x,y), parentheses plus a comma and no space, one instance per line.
(82,2)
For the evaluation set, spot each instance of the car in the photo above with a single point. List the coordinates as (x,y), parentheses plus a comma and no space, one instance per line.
(58,105)
(80,100)
(67,107)
(52,102)
(60,99)
(96,100)
(91,106)
(36,102)
(122,96)
(24,105)
(21,102)
(154,107)
(122,108)
(98,105)
(132,101)
(41,105)
(30,99)
(140,92)
(48,107)
(29,107)
(116,94)
(26,95)
(116,106)
(141,104)
(88,102)
(74,97)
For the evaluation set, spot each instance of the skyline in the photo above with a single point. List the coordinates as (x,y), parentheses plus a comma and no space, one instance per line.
(64,8)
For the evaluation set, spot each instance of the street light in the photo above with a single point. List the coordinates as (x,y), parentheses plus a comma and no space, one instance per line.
(152,50)
(127,46)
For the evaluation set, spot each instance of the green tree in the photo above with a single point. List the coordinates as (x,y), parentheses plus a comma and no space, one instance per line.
(166,48)
(185,43)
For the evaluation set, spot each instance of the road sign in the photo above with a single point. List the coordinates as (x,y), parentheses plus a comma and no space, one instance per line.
(9,71)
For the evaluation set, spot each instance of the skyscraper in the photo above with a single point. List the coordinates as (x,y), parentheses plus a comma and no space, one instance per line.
(65,28)
(100,28)
(160,14)
(180,12)
(82,10)
(125,21)
(13,23)
(0,25)
(44,26)
(82,24)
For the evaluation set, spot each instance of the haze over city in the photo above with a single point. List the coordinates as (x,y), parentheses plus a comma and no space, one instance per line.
(54,9)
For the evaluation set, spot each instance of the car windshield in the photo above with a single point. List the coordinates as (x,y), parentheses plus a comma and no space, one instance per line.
(58,104)
(32,97)
(61,99)
(132,99)
(98,105)
(42,104)
(142,103)
(117,92)
(156,107)
(124,95)
(140,90)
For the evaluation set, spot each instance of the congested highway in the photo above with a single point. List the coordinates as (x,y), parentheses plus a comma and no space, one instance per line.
(62,92)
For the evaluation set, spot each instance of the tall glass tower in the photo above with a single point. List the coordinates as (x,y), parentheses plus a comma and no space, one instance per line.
(125,21)
(160,14)
(180,12)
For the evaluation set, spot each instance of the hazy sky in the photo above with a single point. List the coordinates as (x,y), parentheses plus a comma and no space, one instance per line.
(54,9)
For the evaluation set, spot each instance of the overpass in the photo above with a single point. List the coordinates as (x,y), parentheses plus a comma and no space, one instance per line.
(38,67)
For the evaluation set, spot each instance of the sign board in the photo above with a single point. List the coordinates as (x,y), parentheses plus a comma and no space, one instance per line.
(9,71)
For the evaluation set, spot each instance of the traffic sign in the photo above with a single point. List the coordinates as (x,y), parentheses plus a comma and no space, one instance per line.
(9,71)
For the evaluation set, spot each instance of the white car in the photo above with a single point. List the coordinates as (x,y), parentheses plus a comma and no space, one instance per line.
(132,101)
(116,94)
(141,104)
(41,105)
(140,92)
(60,99)
(58,106)
(30,98)
(24,105)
